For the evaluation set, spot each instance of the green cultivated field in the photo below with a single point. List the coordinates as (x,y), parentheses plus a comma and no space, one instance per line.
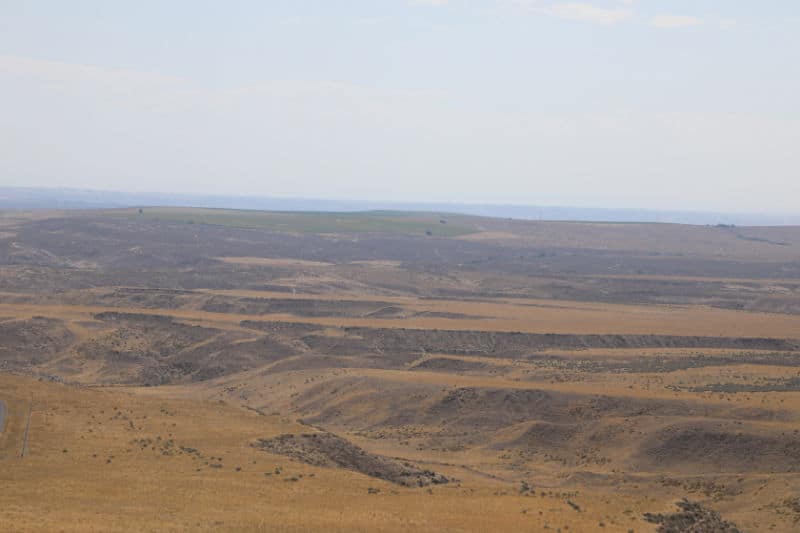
(396,222)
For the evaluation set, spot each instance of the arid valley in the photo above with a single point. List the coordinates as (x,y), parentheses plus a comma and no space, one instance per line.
(198,369)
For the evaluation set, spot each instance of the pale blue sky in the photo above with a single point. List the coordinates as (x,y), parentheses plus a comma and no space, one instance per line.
(613,103)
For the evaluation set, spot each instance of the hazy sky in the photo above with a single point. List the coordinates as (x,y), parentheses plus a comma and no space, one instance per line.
(677,104)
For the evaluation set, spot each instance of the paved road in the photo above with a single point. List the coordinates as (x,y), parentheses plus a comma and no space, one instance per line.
(2,415)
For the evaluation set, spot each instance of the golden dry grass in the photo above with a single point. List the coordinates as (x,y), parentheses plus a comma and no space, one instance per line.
(87,472)
(528,316)
(620,500)
(86,469)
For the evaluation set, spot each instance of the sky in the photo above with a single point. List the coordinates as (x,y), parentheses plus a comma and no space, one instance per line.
(660,104)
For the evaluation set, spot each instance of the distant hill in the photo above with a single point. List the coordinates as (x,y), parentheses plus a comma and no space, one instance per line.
(58,198)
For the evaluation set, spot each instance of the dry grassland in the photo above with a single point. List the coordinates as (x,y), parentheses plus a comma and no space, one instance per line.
(530,317)
(107,460)
(562,377)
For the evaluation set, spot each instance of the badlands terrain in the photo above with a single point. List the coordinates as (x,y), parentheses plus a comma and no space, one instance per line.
(196,369)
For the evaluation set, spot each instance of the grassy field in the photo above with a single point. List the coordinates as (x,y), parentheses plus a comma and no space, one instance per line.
(392,222)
